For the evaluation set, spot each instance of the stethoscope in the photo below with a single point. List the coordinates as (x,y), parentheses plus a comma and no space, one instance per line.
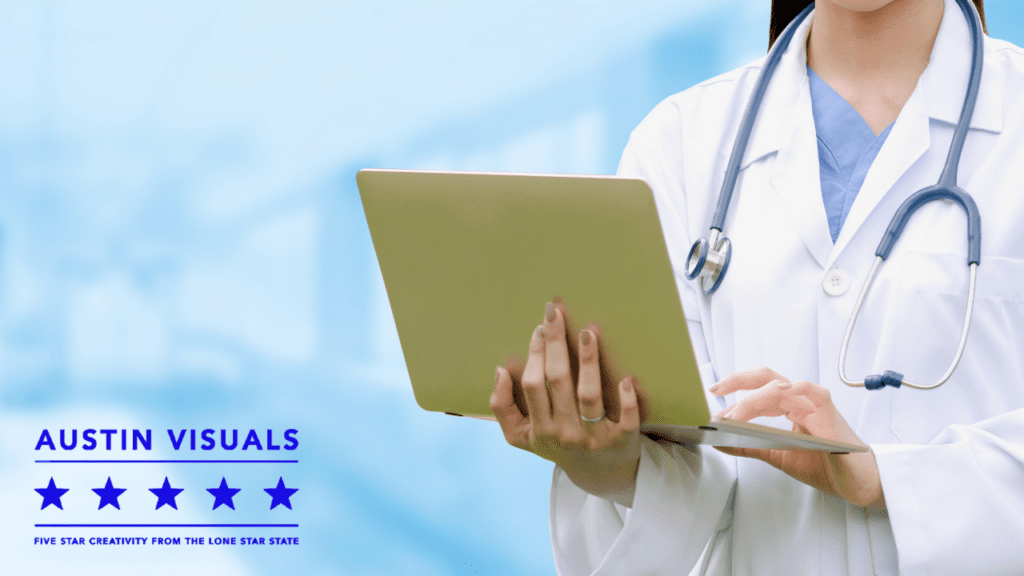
(709,257)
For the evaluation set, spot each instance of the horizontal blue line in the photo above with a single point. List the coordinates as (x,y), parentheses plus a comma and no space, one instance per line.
(167,525)
(167,461)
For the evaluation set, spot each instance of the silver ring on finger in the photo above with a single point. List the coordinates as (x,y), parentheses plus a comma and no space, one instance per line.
(592,420)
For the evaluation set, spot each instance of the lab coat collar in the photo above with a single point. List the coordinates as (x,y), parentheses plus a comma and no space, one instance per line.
(789,83)
(949,68)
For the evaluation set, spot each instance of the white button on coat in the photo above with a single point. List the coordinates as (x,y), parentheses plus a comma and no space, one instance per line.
(836,282)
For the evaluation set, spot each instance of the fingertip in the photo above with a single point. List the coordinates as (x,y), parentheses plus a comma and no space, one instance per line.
(537,340)
(587,347)
(554,323)
(629,413)
(741,413)
(757,453)
(726,386)
(501,379)
(560,305)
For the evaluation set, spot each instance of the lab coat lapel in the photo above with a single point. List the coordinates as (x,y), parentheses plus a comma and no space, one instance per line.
(785,125)
(797,181)
(908,140)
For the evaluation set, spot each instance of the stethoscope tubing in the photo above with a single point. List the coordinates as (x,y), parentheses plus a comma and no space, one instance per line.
(739,147)
(709,257)
(893,378)
(945,189)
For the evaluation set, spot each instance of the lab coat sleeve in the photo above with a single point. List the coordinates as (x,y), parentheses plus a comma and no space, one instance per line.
(680,496)
(681,492)
(956,505)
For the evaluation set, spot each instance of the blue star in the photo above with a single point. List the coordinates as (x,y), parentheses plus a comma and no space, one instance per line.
(166,494)
(281,494)
(108,495)
(51,494)
(223,494)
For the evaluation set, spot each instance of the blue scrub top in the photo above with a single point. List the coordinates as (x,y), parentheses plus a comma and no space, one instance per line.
(846,149)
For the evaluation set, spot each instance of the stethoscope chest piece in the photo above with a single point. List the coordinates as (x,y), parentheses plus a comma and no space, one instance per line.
(709,260)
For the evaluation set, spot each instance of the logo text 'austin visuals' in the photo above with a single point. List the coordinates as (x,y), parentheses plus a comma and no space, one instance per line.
(208,439)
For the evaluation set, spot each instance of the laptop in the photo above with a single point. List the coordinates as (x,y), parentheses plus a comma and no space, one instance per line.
(470,259)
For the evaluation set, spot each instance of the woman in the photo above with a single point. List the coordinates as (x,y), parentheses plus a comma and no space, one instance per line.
(859,115)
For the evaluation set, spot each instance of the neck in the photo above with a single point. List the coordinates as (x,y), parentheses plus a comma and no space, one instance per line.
(873,58)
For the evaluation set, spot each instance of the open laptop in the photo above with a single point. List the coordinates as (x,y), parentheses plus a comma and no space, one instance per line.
(469,260)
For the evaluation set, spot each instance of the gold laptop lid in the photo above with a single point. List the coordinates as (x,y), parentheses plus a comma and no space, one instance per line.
(470,259)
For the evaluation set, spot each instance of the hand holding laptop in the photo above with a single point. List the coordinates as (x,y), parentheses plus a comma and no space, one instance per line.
(566,420)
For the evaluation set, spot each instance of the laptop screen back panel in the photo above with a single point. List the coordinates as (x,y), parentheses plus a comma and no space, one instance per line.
(470,259)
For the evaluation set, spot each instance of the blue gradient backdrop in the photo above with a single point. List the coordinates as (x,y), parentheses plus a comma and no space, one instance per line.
(182,245)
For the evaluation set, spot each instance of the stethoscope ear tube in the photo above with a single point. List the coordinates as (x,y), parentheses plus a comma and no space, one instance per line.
(895,379)
(922,197)
(718,249)
(739,147)
(892,234)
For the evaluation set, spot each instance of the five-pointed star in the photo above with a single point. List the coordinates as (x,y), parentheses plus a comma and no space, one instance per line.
(223,494)
(166,494)
(108,495)
(281,494)
(51,494)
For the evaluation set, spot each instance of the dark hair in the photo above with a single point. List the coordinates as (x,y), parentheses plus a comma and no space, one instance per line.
(783,11)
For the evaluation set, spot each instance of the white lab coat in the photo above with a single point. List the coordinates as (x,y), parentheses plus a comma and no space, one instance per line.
(951,459)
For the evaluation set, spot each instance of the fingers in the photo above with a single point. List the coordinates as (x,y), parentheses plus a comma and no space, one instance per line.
(749,380)
(552,427)
(534,383)
(772,457)
(513,424)
(629,411)
(797,402)
(557,366)
(589,390)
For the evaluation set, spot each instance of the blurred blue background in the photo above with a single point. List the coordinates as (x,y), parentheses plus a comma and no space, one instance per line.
(182,243)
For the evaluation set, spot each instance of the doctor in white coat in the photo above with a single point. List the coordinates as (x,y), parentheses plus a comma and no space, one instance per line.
(942,489)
